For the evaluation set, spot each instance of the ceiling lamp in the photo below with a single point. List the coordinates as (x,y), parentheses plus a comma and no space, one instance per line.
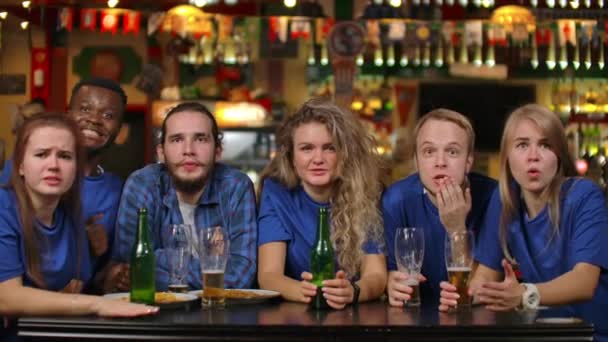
(3,15)
(511,15)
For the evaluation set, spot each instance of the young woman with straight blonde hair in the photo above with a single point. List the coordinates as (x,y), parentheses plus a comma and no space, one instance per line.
(325,158)
(552,225)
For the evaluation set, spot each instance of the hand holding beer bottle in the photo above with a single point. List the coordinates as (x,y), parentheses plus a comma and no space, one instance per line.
(458,261)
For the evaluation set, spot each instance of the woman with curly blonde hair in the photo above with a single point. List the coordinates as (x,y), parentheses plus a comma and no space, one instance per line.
(325,158)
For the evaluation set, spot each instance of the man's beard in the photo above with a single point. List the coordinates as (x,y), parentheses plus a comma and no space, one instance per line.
(190,186)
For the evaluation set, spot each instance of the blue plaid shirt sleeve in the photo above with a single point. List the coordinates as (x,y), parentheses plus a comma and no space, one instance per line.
(241,268)
(135,195)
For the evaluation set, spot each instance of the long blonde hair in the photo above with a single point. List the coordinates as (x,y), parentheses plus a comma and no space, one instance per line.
(355,215)
(553,130)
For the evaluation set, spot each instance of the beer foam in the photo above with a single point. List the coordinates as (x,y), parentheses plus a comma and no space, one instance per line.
(459,269)
(213,271)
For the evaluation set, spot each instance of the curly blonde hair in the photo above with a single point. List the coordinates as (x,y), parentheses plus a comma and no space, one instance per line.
(356,190)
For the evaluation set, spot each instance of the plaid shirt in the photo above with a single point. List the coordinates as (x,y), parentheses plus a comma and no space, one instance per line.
(228,200)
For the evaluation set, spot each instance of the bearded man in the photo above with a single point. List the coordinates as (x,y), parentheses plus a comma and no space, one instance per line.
(188,186)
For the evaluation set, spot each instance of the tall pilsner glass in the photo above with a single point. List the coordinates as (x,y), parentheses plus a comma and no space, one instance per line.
(214,253)
(409,253)
(458,261)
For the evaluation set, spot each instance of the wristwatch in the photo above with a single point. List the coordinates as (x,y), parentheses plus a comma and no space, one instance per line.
(356,294)
(530,299)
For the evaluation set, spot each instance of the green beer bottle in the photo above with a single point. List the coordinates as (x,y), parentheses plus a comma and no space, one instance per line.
(322,264)
(143,268)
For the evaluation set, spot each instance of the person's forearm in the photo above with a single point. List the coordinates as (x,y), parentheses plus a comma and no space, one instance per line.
(571,287)
(289,288)
(372,286)
(25,301)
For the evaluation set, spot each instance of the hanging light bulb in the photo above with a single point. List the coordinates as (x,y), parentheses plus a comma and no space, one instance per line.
(426,56)
(563,57)
(289,3)
(24,25)
(600,59)
(563,3)
(534,3)
(575,4)
(26,4)
(359,60)
(311,54)
(576,61)
(587,3)
(439,53)
(230,2)
(439,2)
(404,61)
(600,3)
(477,3)
(487,3)
(395,3)
(112,3)
(463,3)
(588,56)
(550,3)
(551,54)
(3,15)
(324,58)
(378,60)
(390,55)
(417,55)
(534,57)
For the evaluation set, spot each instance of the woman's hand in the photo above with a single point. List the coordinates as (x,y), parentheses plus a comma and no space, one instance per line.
(448,296)
(502,296)
(398,291)
(338,292)
(119,308)
(307,289)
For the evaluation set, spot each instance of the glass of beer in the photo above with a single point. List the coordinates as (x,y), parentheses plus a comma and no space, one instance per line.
(459,260)
(214,252)
(409,253)
(178,256)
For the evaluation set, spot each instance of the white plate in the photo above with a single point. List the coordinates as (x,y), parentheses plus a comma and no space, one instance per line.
(183,299)
(559,320)
(259,296)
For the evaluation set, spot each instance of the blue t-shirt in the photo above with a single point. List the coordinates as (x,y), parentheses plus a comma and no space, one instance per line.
(291,216)
(58,250)
(99,194)
(583,237)
(406,204)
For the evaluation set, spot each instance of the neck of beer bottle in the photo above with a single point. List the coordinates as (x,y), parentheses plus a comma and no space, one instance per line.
(323,226)
(142,228)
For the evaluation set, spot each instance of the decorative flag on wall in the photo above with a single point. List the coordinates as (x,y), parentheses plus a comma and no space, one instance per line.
(396,31)
(567,32)
(65,19)
(88,19)
(130,22)
(109,21)
(300,28)
(474,33)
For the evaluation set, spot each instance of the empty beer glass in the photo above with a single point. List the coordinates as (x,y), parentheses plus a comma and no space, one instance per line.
(458,261)
(178,256)
(214,252)
(409,253)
